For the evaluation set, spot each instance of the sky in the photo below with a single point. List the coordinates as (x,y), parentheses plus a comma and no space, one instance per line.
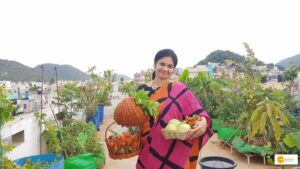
(125,35)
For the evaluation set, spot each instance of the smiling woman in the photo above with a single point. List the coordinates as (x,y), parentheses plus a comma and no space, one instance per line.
(176,101)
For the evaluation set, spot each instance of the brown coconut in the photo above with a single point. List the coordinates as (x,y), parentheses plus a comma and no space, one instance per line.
(129,114)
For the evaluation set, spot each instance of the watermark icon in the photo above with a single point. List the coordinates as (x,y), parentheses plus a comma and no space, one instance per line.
(286,159)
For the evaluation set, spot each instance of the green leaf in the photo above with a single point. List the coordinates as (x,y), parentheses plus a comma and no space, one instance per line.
(256,114)
(263,121)
(283,117)
(292,140)
(276,128)
(255,127)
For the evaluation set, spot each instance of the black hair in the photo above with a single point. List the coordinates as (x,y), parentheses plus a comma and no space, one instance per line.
(165,53)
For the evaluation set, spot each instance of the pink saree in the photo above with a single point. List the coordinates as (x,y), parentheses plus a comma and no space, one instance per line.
(176,102)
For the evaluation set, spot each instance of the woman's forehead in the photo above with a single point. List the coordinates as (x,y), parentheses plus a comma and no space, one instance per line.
(166,59)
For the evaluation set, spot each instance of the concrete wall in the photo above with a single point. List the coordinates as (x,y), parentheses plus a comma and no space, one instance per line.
(23,133)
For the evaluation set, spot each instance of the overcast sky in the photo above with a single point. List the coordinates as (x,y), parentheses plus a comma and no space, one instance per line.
(124,35)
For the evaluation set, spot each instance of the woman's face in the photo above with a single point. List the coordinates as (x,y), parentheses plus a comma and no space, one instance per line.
(164,68)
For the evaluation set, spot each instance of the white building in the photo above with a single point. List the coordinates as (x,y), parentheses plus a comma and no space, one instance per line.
(196,69)
(6,84)
(23,132)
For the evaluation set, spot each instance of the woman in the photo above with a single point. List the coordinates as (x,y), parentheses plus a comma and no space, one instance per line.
(176,102)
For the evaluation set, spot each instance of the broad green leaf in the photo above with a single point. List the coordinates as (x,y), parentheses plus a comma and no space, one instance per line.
(269,110)
(292,140)
(283,117)
(263,121)
(256,113)
(255,127)
(276,128)
(260,103)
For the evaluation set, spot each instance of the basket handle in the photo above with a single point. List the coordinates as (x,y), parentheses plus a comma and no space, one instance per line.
(108,128)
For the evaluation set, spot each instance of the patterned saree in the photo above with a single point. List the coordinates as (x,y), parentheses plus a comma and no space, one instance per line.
(176,102)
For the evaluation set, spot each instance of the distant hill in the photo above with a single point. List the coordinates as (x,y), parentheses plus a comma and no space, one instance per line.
(219,56)
(15,71)
(291,61)
(64,72)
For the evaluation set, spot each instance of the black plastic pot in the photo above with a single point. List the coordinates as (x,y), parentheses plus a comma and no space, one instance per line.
(215,162)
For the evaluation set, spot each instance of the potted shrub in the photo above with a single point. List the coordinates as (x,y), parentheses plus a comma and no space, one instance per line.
(93,96)
(76,141)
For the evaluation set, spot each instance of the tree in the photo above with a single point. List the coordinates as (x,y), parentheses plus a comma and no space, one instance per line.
(68,98)
(291,75)
(128,87)
(52,81)
(184,76)
(148,75)
(268,113)
(109,75)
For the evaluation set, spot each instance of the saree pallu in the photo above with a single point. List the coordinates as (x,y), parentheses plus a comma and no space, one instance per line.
(176,102)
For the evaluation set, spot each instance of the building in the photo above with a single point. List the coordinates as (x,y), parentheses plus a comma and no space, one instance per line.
(143,75)
(193,71)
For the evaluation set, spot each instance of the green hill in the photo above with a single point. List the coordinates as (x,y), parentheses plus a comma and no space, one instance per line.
(15,71)
(64,72)
(291,61)
(219,56)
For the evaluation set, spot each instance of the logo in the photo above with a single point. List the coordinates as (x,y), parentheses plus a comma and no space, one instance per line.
(286,159)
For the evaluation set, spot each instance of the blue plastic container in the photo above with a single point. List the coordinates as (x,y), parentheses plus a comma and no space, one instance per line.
(101,112)
(97,119)
(44,158)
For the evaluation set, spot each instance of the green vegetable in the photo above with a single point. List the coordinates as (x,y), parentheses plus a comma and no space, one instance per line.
(149,106)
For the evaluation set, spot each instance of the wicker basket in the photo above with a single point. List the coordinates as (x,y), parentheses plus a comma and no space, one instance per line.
(168,134)
(118,149)
(129,114)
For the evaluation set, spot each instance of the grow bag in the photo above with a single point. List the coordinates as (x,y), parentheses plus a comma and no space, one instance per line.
(243,147)
(215,162)
(86,161)
(52,161)
(228,134)
(216,125)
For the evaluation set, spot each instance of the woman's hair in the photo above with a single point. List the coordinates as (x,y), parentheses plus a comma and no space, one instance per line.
(165,53)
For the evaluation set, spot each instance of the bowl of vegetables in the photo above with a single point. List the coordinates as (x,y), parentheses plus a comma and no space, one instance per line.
(178,129)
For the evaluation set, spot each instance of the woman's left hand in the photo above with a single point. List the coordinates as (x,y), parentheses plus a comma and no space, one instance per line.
(198,130)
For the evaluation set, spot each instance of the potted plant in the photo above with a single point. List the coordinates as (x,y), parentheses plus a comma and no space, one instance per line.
(76,141)
(94,94)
